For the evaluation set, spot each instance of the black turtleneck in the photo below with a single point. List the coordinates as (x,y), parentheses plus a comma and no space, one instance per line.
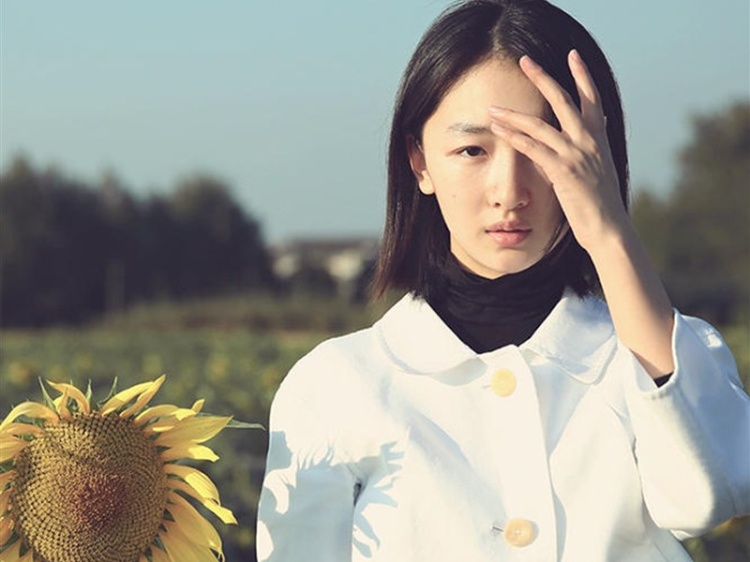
(487,314)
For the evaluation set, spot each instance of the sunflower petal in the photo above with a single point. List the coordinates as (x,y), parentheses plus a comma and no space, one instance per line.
(197,480)
(10,447)
(222,513)
(33,410)
(6,530)
(19,429)
(158,555)
(192,522)
(167,416)
(123,397)
(74,393)
(182,548)
(198,405)
(189,451)
(4,502)
(154,412)
(61,403)
(144,398)
(28,557)
(6,477)
(12,554)
(196,429)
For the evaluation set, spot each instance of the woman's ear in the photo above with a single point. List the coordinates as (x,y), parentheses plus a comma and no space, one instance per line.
(418,165)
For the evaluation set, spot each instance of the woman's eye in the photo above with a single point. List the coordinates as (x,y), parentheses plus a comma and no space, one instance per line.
(472,151)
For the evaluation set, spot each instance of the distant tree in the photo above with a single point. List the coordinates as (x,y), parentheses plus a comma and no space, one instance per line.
(123,281)
(220,247)
(69,250)
(648,212)
(53,247)
(700,235)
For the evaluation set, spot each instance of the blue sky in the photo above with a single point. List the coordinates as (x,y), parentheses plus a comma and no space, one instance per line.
(289,101)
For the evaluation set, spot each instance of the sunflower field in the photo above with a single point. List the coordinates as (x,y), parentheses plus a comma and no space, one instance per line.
(233,353)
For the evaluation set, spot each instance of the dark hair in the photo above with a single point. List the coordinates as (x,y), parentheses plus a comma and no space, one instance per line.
(415,239)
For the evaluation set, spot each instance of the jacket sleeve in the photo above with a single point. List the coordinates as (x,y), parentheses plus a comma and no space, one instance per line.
(692,435)
(306,503)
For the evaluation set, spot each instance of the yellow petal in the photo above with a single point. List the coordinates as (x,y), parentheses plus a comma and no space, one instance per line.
(6,530)
(123,397)
(189,451)
(198,405)
(201,483)
(197,429)
(4,501)
(163,410)
(222,513)
(33,410)
(181,547)
(74,393)
(5,478)
(28,557)
(192,522)
(19,429)
(61,403)
(12,554)
(168,423)
(10,447)
(158,555)
(144,398)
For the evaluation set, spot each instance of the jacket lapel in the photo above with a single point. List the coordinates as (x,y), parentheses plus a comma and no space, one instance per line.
(577,336)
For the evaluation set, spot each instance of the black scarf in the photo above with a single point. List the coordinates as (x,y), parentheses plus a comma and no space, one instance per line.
(487,314)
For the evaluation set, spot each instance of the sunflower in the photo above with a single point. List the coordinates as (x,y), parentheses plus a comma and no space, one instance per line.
(81,483)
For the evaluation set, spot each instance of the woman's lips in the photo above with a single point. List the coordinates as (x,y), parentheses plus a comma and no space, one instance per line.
(509,236)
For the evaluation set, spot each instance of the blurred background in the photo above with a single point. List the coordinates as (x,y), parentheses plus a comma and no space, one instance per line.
(198,189)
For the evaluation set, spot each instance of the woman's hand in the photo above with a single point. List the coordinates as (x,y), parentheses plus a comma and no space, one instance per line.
(578,163)
(577,159)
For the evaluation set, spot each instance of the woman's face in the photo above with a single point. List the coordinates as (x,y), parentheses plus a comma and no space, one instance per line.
(499,208)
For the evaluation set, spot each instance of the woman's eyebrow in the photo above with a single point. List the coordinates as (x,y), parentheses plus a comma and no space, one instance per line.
(470,129)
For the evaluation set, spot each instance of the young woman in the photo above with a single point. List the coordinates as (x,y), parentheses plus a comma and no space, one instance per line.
(502,410)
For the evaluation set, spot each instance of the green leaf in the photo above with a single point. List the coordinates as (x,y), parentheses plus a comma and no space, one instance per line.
(236,424)
(47,399)
(112,392)
(233,423)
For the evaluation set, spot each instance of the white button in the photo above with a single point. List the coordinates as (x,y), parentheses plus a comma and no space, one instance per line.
(503,382)
(519,532)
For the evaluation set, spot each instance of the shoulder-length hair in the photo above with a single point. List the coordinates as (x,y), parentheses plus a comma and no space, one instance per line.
(416,241)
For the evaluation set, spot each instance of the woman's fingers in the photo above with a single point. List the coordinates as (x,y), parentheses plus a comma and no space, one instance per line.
(534,127)
(568,115)
(538,151)
(574,121)
(591,106)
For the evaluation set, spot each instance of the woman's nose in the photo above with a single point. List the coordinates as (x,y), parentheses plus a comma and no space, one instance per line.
(508,181)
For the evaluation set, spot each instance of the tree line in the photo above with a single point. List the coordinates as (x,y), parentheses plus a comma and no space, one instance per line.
(71,250)
(699,235)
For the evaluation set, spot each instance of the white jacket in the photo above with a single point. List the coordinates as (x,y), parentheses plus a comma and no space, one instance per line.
(399,443)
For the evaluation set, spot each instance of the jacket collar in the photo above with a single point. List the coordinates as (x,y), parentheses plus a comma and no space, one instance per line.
(577,335)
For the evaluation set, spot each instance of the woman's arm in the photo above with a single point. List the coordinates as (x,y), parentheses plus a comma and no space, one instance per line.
(578,163)
(692,436)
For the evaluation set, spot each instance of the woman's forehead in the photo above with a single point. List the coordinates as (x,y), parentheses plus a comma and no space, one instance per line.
(496,81)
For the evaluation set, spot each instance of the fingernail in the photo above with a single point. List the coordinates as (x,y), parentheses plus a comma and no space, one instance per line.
(497,110)
(526,59)
(499,129)
(576,55)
